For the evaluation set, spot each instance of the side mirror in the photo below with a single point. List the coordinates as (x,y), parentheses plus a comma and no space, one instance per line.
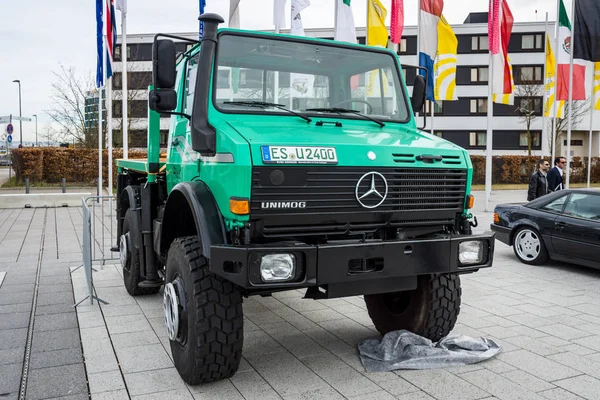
(163,100)
(419,93)
(164,64)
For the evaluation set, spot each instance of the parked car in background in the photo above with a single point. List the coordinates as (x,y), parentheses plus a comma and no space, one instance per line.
(4,158)
(562,226)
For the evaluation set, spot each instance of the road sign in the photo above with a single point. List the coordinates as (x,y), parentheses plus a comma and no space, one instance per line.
(9,139)
(9,129)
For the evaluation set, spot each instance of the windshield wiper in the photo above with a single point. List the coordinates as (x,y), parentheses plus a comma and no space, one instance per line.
(346,111)
(263,104)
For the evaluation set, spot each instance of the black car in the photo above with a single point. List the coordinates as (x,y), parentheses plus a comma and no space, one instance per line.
(562,226)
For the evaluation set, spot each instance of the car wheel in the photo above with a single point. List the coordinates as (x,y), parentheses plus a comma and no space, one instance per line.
(529,246)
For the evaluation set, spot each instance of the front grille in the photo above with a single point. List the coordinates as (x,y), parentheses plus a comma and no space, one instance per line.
(322,201)
(333,190)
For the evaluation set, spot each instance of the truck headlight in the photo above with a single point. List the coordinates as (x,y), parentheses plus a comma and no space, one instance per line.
(277,267)
(470,252)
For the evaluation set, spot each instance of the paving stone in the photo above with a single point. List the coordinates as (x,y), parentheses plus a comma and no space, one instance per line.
(286,374)
(15,298)
(14,321)
(528,380)
(15,308)
(544,368)
(56,322)
(159,380)
(12,356)
(10,378)
(22,288)
(258,342)
(129,340)
(591,342)
(381,395)
(443,385)
(171,395)
(127,323)
(48,299)
(13,338)
(56,382)
(105,382)
(579,363)
(499,386)
(54,309)
(55,340)
(60,288)
(584,386)
(143,358)
(252,386)
(221,389)
(563,331)
(56,358)
(318,394)
(415,396)
(559,394)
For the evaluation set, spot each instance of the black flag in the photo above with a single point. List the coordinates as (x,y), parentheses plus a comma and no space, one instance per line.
(586,30)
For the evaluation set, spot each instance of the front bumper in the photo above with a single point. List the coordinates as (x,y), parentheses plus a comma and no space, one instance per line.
(340,263)
(502,233)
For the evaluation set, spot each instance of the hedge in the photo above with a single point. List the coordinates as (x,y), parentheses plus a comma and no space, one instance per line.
(51,164)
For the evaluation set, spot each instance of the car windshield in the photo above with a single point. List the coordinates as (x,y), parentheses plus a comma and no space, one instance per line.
(301,75)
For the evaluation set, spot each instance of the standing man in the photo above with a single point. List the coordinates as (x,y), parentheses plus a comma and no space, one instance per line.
(538,185)
(555,175)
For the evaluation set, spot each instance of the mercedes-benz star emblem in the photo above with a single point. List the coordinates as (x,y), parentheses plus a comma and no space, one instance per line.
(371,190)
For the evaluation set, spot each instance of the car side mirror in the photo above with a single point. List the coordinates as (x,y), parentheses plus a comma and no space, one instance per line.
(419,92)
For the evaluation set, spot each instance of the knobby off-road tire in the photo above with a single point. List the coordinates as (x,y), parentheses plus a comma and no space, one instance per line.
(431,310)
(131,272)
(211,318)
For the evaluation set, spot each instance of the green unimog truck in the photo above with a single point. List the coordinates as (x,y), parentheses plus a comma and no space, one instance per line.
(292,163)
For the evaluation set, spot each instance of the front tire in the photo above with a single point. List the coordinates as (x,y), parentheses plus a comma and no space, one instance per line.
(207,341)
(430,310)
(529,246)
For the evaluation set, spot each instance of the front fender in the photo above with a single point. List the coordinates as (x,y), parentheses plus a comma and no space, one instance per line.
(191,209)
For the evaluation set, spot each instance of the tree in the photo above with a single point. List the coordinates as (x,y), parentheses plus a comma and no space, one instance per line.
(68,110)
(530,105)
(580,109)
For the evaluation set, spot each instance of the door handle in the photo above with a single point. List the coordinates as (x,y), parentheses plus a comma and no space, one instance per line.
(560,223)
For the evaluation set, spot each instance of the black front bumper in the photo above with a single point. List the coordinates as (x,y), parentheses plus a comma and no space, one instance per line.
(375,263)
(502,233)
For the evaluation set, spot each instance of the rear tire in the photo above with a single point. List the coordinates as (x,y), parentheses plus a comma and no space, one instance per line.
(430,310)
(131,270)
(210,337)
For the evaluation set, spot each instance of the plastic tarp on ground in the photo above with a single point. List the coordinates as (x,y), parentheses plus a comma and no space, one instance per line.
(405,350)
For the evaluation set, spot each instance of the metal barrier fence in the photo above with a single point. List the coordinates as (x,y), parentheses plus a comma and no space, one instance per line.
(99,237)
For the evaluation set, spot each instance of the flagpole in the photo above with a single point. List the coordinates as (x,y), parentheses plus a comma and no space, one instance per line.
(555,103)
(418,62)
(124,94)
(490,132)
(570,123)
(100,108)
(589,175)
(544,127)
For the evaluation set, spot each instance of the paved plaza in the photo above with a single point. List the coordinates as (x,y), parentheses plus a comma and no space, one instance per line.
(546,318)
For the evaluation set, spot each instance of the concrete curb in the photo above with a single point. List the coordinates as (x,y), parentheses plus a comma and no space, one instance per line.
(41,200)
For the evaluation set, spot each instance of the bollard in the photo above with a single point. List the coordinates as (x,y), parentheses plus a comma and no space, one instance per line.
(64,185)
(26,185)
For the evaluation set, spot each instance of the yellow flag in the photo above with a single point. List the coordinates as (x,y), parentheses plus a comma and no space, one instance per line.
(377,33)
(552,108)
(445,63)
(508,99)
(597,85)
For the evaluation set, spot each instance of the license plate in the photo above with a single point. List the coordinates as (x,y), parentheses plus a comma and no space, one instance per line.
(298,155)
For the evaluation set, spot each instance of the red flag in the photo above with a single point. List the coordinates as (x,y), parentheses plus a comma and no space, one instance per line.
(397,22)
(500,22)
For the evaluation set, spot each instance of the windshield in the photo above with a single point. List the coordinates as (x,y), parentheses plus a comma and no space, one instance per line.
(305,75)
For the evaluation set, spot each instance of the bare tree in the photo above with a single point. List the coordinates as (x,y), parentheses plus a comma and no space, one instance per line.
(69,92)
(49,135)
(530,104)
(580,110)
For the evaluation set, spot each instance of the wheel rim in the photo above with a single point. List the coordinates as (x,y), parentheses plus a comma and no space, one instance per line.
(398,302)
(174,310)
(528,245)
(124,250)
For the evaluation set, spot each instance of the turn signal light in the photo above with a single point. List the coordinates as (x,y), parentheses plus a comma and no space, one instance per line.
(239,206)
(496,218)
(470,201)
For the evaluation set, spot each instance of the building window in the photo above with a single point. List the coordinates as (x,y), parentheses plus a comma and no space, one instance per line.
(438,109)
(527,105)
(531,42)
(477,139)
(479,106)
(439,134)
(524,140)
(479,74)
(403,46)
(574,142)
(479,43)
(530,75)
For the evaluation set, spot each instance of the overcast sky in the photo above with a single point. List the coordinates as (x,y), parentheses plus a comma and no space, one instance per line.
(36,36)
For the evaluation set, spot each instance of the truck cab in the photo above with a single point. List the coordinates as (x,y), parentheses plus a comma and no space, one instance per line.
(292,163)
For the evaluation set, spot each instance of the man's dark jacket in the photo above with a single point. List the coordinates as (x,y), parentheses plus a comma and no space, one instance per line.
(537,186)
(554,179)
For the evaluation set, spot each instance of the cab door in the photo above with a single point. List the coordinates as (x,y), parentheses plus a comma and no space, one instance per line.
(577,230)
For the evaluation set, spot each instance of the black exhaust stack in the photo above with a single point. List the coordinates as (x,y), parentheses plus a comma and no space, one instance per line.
(203,135)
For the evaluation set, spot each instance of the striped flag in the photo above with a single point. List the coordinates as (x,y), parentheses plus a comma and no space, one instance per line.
(564,61)
(397,22)
(111,35)
(596,87)
(500,22)
(509,98)
(345,29)
(430,16)
(445,62)
(99,46)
